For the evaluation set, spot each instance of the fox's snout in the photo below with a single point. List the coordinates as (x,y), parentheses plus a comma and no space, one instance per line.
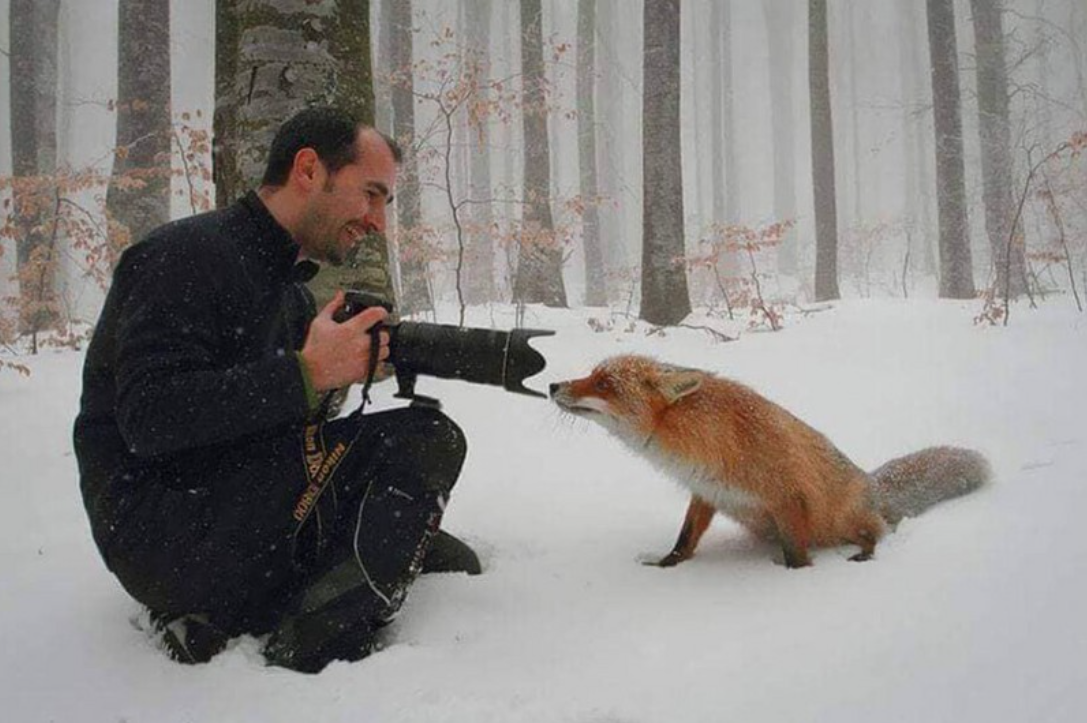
(562,394)
(573,396)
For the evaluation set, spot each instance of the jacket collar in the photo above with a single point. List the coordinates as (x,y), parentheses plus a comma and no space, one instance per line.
(269,246)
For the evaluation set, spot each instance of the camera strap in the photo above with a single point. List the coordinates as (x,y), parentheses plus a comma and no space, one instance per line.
(375,350)
(321,463)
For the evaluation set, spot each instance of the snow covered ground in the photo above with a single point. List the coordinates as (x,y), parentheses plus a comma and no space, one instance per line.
(973,612)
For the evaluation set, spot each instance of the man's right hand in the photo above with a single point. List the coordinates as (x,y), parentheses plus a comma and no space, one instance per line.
(337,355)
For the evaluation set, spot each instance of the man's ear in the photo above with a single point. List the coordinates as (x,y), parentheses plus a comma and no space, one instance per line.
(307,169)
(675,385)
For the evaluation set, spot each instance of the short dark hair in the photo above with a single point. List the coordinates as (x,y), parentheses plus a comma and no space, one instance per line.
(394,147)
(330,132)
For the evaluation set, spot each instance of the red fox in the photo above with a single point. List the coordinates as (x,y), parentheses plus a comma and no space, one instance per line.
(744,456)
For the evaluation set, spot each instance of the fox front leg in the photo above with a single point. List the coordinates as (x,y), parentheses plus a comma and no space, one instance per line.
(794,532)
(695,523)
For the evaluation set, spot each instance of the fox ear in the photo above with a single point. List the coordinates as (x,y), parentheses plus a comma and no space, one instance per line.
(675,385)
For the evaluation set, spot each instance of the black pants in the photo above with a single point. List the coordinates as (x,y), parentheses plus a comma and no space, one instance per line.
(232,546)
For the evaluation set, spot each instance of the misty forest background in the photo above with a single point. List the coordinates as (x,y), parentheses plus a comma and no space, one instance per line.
(746,160)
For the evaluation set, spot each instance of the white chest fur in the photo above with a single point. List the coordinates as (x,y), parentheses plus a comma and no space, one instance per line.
(725,497)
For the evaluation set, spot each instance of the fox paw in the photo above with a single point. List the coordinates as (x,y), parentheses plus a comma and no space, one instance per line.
(670,560)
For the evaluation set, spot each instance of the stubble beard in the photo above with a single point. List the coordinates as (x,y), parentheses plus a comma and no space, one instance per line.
(320,242)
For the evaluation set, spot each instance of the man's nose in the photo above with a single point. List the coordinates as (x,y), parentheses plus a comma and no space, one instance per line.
(375,219)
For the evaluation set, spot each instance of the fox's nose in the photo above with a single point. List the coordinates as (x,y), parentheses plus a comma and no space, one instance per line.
(554,388)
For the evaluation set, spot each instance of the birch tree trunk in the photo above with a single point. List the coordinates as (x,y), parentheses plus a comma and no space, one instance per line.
(33,83)
(665,298)
(283,56)
(956,268)
(995,131)
(822,152)
(596,293)
(138,198)
(539,268)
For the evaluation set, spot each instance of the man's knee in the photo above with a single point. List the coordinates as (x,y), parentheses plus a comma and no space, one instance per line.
(439,447)
(449,435)
(421,447)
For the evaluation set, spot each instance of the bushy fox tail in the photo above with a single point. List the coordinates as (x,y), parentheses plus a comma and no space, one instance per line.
(907,486)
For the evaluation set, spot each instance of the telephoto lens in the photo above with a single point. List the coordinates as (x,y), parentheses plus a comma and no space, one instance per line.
(481,356)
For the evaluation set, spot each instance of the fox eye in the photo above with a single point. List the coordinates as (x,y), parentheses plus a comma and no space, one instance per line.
(601,384)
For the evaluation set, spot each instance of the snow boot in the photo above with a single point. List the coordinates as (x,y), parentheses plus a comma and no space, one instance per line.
(334,618)
(190,639)
(450,554)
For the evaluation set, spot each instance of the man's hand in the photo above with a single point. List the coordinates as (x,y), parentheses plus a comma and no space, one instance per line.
(335,354)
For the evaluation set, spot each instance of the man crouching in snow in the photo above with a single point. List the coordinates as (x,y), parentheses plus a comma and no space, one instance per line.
(215,492)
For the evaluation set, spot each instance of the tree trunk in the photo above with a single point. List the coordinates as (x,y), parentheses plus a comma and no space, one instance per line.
(596,293)
(409,210)
(911,200)
(779,28)
(853,60)
(481,259)
(665,299)
(1043,97)
(1078,29)
(917,92)
(33,66)
(701,43)
(610,135)
(539,268)
(512,175)
(138,198)
(384,67)
(956,268)
(289,55)
(229,183)
(822,155)
(725,170)
(721,83)
(459,152)
(995,131)
(730,211)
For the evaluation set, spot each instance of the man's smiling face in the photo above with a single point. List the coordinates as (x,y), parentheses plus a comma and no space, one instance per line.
(349,203)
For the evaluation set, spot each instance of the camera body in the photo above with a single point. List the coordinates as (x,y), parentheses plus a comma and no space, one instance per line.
(356,302)
(480,356)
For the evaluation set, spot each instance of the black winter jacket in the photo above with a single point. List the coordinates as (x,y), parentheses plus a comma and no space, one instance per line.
(193,353)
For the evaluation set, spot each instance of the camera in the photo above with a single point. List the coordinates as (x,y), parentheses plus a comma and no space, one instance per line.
(480,356)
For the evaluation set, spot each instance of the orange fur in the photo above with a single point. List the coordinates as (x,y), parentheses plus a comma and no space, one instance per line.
(740,454)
